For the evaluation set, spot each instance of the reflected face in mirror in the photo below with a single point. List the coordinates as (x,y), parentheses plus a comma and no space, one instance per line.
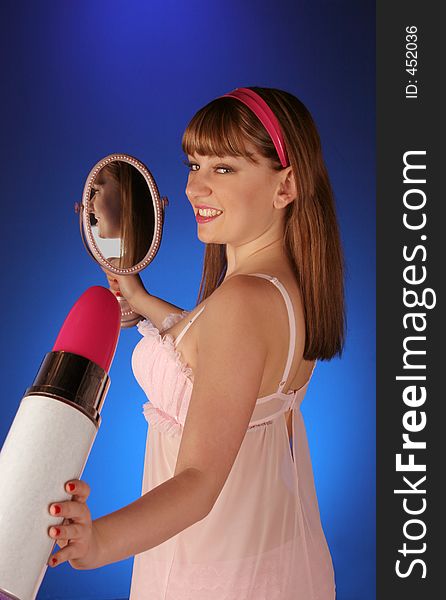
(106,204)
(121,213)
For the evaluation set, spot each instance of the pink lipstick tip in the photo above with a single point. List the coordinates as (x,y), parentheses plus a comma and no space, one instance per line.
(92,327)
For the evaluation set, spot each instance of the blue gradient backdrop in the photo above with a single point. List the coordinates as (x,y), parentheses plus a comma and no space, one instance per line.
(85,79)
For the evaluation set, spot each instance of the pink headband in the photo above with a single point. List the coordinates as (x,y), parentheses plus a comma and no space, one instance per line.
(266,116)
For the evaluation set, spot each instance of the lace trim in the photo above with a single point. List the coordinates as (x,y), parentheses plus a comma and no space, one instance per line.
(169,321)
(250,427)
(147,328)
(166,423)
(161,421)
(173,318)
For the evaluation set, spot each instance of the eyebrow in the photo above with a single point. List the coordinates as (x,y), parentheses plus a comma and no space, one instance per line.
(216,157)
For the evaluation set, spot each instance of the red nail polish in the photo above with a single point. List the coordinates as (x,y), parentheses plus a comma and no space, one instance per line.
(71,486)
(56,509)
(53,561)
(57,531)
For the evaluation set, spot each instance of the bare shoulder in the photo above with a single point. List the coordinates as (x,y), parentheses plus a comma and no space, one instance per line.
(239,305)
(241,289)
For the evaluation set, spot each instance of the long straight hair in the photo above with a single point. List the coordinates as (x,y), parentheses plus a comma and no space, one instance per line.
(311,238)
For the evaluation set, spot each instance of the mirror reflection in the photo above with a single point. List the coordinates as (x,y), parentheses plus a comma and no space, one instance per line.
(121,214)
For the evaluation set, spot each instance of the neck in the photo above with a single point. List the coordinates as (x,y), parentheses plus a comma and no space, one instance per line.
(245,259)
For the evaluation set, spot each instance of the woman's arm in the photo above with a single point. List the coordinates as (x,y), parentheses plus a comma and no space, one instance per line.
(153,518)
(153,308)
(145,304)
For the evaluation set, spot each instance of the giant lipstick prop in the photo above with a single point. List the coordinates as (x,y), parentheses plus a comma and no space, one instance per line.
(51,437)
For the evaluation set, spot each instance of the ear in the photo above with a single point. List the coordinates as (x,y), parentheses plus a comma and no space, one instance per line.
(286,188)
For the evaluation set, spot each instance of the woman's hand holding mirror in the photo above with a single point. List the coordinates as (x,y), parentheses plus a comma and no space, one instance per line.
(129,287)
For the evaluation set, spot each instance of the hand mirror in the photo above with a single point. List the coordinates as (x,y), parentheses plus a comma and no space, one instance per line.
(121,219)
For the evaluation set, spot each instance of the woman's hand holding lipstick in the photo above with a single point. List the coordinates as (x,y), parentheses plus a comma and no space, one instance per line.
(77,536)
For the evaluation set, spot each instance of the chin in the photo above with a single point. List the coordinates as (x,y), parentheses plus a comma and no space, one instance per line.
(209,239)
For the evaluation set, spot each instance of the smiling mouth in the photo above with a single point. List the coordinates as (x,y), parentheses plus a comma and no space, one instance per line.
(202,219)
(208,212)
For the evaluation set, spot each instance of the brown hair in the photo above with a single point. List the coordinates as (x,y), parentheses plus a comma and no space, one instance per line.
(311,233)
(137,220)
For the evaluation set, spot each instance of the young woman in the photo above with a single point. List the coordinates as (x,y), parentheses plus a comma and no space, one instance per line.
(228,508)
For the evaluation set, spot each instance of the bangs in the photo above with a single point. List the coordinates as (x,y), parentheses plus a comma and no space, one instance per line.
(221,128)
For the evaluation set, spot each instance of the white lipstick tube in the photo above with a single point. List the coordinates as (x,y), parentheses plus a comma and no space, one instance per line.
(47,445)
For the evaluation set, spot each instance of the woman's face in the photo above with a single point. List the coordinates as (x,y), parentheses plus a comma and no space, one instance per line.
(106,205)
(241,189)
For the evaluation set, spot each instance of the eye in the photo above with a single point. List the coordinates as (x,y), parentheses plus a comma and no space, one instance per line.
(191,166)
(223,169)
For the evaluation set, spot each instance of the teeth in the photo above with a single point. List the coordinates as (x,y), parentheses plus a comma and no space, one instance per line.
(209,212)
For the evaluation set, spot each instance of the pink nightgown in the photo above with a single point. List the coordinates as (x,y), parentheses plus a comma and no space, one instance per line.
(263,539)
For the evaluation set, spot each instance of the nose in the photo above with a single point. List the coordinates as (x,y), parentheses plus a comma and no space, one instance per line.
(197,186)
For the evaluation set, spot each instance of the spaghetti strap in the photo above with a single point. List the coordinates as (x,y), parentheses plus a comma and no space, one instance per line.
(183,331)
(292,323)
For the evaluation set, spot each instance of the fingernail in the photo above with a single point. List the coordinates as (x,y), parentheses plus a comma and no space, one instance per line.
(71,486)
(53,561)
(55,531)
(56,509)
(118,294)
